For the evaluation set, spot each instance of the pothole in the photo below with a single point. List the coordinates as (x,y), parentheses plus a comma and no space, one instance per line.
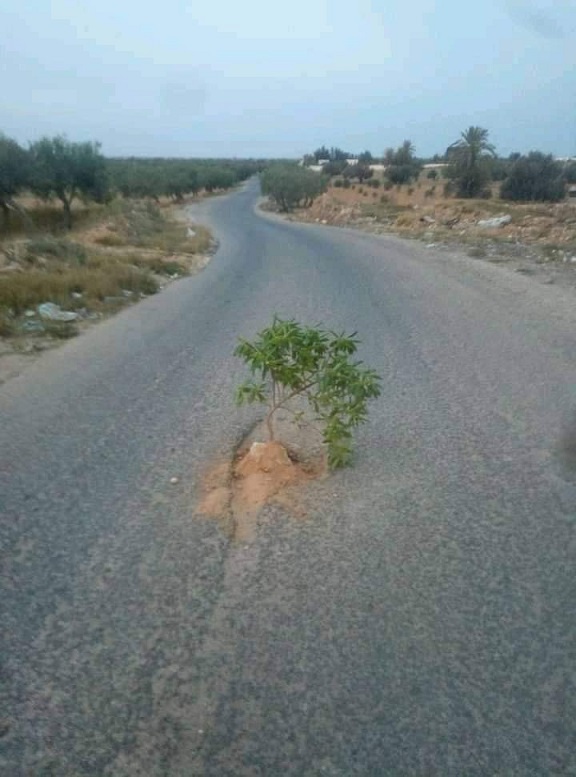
(235,491)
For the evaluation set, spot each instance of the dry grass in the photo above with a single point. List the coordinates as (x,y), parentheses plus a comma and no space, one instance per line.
(48,218)
(22,291)
(145,224)
(121,253)
(422,210)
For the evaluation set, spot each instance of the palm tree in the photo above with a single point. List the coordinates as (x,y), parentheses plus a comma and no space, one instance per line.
(468,156)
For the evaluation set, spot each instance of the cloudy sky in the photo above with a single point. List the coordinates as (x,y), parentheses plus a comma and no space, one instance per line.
(257,78)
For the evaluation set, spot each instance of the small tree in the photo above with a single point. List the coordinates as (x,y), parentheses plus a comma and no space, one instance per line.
(14,173)
(335,168)
(535,177)
(68,170)
(291,360)
(469,162)
(361,172)
(401,164)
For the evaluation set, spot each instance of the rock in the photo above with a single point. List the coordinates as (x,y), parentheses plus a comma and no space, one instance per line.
(32,327)
(431,245)
(174,481)
(127,293)
(190,232)
(30,313)
(497,221)
(76,295)
(428,219)
(52,312)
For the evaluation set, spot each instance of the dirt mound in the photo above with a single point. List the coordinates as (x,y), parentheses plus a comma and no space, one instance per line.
(235,492)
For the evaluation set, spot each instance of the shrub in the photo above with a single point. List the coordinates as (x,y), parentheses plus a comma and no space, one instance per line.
(432,175)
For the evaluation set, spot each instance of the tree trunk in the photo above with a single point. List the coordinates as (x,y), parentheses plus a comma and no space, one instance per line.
(5,213)
(67,213)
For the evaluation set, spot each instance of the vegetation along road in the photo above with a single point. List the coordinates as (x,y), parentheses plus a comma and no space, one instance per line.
(419,621)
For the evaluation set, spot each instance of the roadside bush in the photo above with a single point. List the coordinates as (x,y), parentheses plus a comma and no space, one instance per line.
(373,182)
(432,175)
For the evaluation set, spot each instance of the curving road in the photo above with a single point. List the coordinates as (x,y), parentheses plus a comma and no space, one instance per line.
(421,622)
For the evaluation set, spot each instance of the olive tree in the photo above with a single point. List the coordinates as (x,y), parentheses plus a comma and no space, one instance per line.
(67,170)
(14,173)
(535,177)
(291,186)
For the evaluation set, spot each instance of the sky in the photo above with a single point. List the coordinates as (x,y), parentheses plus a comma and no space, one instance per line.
(252,78)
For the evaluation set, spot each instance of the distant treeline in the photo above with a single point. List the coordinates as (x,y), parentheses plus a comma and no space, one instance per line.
(470,164)
(57,168)
(176,178)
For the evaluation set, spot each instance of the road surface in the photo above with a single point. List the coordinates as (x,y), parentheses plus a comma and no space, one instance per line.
(420,622)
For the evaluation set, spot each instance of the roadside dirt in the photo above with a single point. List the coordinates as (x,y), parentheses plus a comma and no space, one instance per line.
(538,240)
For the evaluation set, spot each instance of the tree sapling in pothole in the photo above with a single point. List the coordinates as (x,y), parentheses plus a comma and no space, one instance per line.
(289,360)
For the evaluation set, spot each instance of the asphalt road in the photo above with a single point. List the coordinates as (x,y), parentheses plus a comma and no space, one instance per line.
(420,622)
